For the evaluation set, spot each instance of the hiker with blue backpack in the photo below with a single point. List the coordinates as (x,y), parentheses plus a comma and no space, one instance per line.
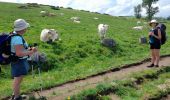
(157,37)
(14,50)
(19,47)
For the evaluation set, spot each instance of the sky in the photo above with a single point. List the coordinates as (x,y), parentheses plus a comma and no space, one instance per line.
(112,7)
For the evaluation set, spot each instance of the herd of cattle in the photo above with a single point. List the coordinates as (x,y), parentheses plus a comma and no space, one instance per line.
(50,35)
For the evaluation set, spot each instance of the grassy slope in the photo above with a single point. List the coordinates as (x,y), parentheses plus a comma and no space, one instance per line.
(79,53)
(129,89)
(148,89)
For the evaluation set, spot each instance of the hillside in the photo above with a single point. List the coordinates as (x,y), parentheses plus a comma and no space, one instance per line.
(79,53)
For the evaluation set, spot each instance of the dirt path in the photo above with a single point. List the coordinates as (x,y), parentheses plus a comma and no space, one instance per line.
(68,89)
(166,98)
(114,97)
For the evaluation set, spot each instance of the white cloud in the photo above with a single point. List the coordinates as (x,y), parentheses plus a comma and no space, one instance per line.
(164,8)
(95,5)
(123,7)
(8,0)
(113,7)
(64,3)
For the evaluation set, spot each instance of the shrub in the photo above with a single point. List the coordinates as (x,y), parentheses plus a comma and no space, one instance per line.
(106,14)
(33,5)
(105,98)
(104,89)
(168,18)
(69,8)
(90,94)
(55,7)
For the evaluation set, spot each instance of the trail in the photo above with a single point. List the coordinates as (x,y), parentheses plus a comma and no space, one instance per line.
(63,91)
(166,97)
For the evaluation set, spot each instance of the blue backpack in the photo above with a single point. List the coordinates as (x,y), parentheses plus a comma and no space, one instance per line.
(5,49)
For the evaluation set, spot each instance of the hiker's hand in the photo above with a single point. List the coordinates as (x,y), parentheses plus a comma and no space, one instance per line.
(30,53)
(151,33)
(34,49)
(29,48)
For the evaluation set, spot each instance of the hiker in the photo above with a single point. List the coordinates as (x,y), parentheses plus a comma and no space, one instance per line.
(155,43)
(20,67)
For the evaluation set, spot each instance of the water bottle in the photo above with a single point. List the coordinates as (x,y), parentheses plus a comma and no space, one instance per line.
(151,38)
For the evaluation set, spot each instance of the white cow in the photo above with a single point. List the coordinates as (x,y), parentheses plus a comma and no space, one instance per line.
(62,14)
(95,18)
(51,14)
(138,28)
(43,13)
(138,22)
(145,23)
(49,35)
(102,29)
(75,19)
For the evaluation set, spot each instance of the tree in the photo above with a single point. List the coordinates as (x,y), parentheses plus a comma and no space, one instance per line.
(150,11)
(168,18)
(137,10)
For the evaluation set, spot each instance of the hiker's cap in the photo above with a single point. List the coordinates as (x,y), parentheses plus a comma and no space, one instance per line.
(20,24)
(153,21)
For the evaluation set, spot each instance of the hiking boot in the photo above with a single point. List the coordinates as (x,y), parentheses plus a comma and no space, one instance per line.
(156,65)
(18,98)
(24,96)
(151,65)
(12,97)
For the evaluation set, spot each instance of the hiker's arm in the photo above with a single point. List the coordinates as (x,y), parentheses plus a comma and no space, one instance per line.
(20,51)
(159,35)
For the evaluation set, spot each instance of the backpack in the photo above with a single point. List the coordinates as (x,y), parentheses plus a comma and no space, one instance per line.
(6,56)
(163,33)
(142,40)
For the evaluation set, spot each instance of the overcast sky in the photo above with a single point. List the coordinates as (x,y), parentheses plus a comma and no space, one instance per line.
(112,7)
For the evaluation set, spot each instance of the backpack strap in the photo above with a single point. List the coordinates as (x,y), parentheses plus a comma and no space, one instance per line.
(23,41)
(19,36)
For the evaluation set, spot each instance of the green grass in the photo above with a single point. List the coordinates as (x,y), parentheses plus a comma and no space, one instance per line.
(79,53)
(105,98)
(130,89)
(149,89)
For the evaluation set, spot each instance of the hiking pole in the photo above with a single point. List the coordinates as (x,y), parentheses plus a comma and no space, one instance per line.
(39,74)
(31,63)
(37,62)
(32,68)
(41,82)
